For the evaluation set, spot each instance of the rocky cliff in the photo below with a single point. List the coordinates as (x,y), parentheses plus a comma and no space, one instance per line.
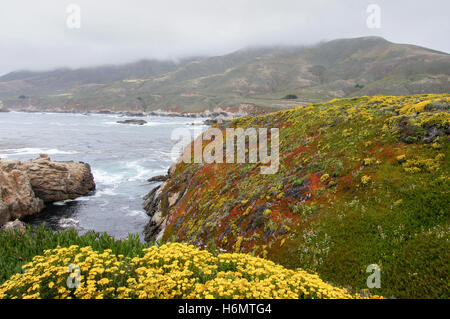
(25,187)
(17,198)
(157,202)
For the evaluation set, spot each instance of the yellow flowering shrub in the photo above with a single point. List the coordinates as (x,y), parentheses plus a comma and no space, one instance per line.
(415,108)
(441,120)
(369,161)
(324,178)
(415,166)
(366,179)
(173,270)
(401,158)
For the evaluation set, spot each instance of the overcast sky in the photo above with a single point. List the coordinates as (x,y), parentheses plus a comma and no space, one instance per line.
(34,34)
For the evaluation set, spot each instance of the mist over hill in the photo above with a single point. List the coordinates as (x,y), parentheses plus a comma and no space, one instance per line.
(273,76)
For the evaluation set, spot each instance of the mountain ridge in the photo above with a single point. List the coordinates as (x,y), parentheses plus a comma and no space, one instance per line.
(260,76)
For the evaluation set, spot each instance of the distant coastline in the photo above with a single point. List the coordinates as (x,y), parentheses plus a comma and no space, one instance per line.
(212,117)
(206,114)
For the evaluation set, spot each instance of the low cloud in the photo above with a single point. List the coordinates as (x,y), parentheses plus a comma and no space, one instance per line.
(34,34)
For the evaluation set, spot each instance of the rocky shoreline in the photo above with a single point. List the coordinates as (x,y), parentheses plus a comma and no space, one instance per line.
(216,116)
(156,203)
(25,187)
(204,114)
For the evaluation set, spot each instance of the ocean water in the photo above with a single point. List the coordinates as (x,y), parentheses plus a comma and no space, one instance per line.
(122,158)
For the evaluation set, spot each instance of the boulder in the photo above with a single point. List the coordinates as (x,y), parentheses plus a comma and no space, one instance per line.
(56,181)
(158,178)
(26,186)
(16,225)
(134,122)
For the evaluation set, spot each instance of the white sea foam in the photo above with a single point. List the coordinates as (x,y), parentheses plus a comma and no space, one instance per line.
(107,178)
(121,163)
(106,191)
(69,223)
(32,151)
(111,123)
(161,123)
(168,155)
(60,203)
(140,172)
(82,199)
(129,172)
(64,124)
(136,213)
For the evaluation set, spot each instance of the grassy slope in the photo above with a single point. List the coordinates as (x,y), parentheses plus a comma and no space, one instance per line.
(17,249)
(362,181)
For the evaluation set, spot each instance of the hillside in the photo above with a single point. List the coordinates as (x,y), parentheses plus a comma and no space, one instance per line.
(260,76)
(60,80)
(362,181)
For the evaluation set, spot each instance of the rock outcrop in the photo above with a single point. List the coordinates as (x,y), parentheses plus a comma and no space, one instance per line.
(157,202)
(17,198)
(152,205)
(55,181)
(158,178)
(26,186)
(134,122)
(218,119)
(16,225)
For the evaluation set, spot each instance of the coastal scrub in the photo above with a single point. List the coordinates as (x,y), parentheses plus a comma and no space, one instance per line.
(173,270)
(361,181)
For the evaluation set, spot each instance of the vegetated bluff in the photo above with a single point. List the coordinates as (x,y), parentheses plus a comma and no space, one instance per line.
(362,181)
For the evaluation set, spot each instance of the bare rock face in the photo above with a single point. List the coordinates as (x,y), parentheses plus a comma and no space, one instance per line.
(17,198)
(55,181)
(157,203)
(26,186)
(16,225)
(152,204)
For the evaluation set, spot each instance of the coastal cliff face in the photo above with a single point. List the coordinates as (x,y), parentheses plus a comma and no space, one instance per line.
(25,187)
(157,203)
(361,181)
(17,197)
